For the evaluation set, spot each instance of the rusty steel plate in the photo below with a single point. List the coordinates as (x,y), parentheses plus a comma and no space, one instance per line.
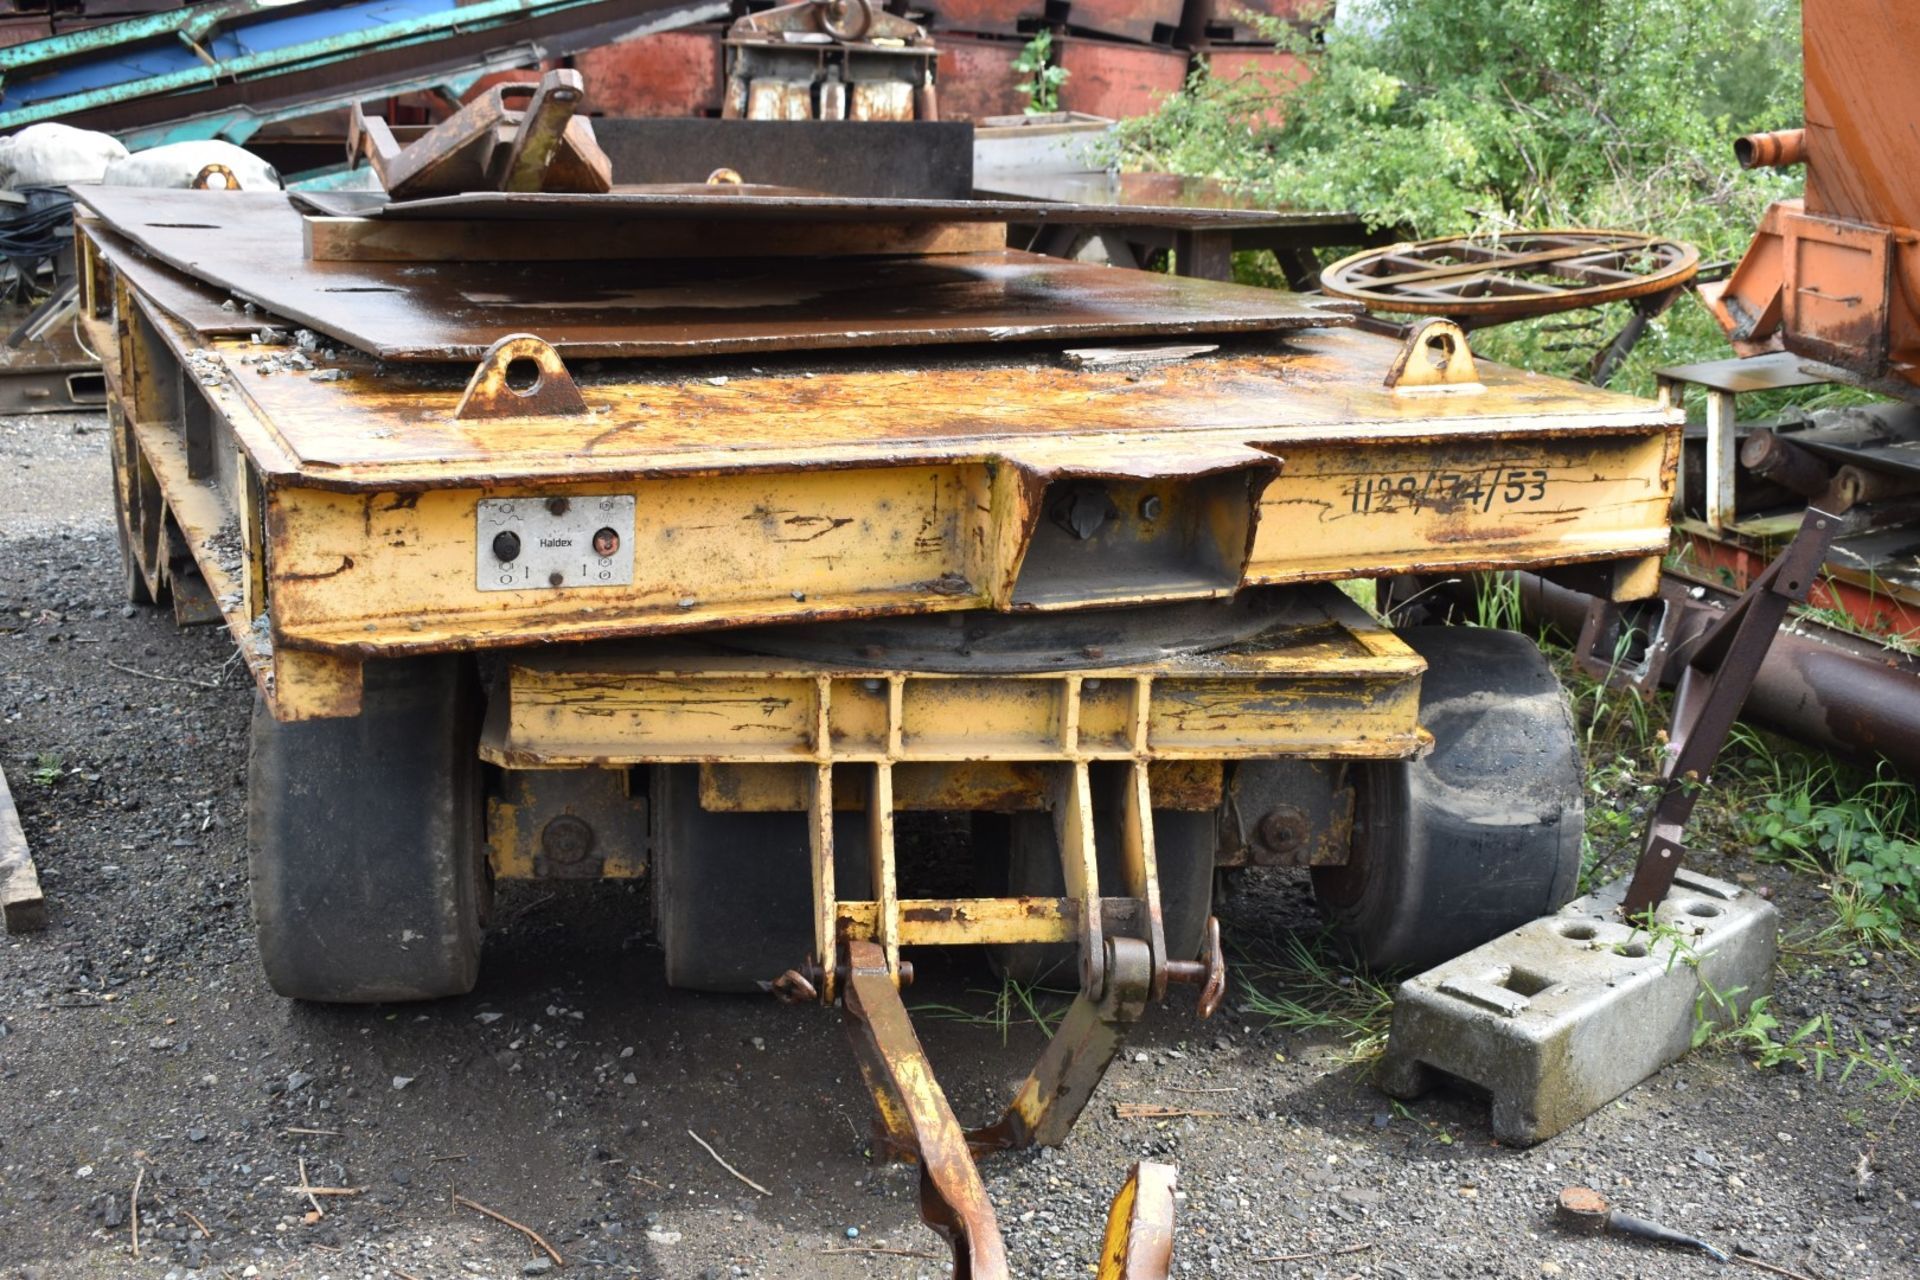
(1128,192)
(768,204)
(1510,277)
(250,245)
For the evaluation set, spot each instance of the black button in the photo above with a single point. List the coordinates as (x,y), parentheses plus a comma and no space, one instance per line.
(506,545)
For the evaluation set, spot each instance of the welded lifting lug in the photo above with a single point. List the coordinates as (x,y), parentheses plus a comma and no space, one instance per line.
(1718,672)
(520,376)
(1435,359)
(916,1122)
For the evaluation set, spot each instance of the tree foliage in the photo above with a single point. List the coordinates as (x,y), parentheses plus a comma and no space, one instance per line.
(1440,118)
(1475,114)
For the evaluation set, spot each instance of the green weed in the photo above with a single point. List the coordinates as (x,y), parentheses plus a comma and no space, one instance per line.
(1043,79)
(1306,990)
(1813,1046)
(1496,602)
(1015,1004)
(47,768)
(1857,839)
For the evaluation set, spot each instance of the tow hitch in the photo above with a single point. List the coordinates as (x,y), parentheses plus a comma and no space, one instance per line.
(1119,939)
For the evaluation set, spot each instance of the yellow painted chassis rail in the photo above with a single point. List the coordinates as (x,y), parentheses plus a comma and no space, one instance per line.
(335,520)
(1326,682)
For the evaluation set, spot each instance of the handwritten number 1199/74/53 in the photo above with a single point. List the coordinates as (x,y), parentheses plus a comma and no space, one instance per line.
(1507,486)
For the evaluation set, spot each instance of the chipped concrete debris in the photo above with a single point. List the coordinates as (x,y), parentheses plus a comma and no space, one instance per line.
(208,369)
(304,344)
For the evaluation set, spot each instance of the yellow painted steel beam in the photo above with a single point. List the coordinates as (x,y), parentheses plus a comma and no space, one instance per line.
(1443,506)
(395,571)
(766,496)
(965,922)
(1335,686)
(951,786)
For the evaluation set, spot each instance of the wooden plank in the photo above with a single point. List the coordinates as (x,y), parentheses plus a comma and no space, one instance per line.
(465,240)
(21,901)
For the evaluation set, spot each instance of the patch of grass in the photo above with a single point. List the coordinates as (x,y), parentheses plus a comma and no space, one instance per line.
(1856,834)
(1813,1047)
(1907,643)
(1496,602)
(1308,991)
(47,768)
(1016,1003)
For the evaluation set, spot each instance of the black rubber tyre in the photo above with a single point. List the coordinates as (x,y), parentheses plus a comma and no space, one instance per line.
(1482,835)
(733,892)
(365,841)
(1027,862)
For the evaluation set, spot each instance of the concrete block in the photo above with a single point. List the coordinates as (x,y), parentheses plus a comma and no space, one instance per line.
(1566,1013)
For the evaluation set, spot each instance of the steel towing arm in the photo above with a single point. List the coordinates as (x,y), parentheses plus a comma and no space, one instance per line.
(1123,966)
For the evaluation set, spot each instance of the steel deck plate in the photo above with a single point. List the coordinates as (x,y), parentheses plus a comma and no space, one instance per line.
(250,244)
(1126,194)
(764,204)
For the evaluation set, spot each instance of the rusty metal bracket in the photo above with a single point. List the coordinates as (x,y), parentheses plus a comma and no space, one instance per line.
(1436,358)
(520,376)
(515,137)
(1718,673)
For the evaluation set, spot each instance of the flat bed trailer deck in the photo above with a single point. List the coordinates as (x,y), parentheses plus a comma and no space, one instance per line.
(607,561)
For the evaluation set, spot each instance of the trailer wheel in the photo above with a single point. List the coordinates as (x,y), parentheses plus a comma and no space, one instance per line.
(1482,835)
(1026,862)
(733,892)
(364,840)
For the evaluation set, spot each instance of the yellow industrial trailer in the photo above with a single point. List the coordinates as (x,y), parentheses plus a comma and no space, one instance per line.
(697,534)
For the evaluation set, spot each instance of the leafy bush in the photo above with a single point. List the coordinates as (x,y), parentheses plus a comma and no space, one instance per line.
(1445,118)
(1480,115)
(1875,868)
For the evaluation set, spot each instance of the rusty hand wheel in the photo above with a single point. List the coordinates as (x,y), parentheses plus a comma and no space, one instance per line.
(1495,277)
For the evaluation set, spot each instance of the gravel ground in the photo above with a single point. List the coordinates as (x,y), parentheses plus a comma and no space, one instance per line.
(138,1039)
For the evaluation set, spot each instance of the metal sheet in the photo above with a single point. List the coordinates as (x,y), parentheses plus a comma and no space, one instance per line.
(745,204)
(1132,192)
(1775,372)
(250,244)
(193,303)
(885,159)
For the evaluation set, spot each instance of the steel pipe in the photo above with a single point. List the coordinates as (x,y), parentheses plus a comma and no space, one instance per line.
(1781,149)
(1840,693)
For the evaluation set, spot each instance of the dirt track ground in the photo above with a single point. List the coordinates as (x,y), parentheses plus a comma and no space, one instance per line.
(137,1033)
